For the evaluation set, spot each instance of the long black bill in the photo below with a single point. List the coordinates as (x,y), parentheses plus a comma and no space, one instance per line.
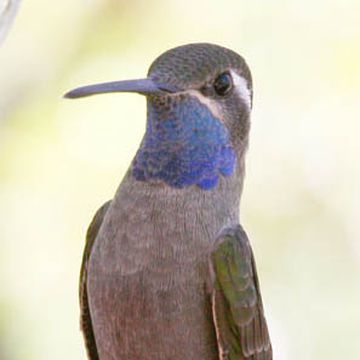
(142,86)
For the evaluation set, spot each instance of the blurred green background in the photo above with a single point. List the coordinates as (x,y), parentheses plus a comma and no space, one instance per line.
(60,159)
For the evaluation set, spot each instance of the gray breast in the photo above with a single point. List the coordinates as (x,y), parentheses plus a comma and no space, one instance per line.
(148,271)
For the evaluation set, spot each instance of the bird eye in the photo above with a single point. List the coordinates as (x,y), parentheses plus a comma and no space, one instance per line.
(223,84)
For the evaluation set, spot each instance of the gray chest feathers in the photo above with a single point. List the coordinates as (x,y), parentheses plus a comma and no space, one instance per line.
(160,230)
(148,271)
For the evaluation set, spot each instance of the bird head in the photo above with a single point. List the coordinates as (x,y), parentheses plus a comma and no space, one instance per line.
(199,101)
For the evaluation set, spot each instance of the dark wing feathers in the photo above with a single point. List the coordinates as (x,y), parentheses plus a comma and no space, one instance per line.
(85,316)
(237,307)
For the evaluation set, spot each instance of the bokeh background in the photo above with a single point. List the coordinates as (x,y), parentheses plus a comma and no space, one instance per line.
(60,159)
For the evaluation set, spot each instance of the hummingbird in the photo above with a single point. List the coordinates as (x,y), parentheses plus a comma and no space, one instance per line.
(168,272)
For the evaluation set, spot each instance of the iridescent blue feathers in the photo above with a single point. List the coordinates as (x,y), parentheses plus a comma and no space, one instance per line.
(184,144)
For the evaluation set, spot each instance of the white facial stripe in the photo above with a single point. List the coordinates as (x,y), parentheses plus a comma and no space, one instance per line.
(241,87)
(210,104)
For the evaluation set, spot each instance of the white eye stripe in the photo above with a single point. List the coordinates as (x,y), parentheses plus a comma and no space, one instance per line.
(211,104)
(241,87)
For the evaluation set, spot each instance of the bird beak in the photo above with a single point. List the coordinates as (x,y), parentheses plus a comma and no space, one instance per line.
(142,86)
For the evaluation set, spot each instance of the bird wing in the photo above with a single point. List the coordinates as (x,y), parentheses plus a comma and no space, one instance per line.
(238,312)
(85,316)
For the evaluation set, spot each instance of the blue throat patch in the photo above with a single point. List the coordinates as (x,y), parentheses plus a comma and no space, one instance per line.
(184,144)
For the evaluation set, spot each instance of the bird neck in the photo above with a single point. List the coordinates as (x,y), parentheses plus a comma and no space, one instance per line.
(184,145)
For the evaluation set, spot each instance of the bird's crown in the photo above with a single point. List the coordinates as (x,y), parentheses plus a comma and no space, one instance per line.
(192,65)
(199,101)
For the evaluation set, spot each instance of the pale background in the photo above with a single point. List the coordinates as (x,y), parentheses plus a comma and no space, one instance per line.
(61,159)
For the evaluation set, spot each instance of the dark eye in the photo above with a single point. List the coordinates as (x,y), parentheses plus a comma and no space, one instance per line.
(223,84)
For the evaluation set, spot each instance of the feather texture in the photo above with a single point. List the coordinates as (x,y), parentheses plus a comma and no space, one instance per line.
(237,307)
(85,316)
